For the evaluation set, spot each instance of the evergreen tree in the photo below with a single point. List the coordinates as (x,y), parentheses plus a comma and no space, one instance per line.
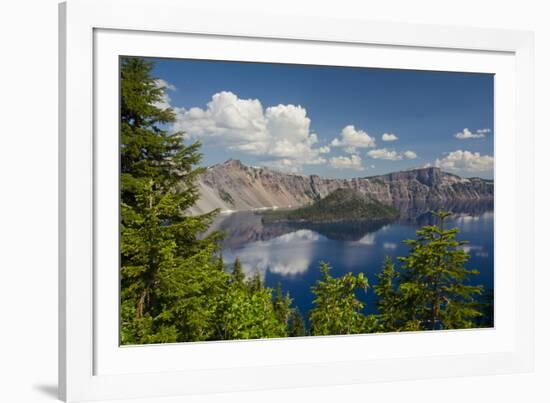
(254,283)
(237,276)
(337,309)
(173,283)
(168,274)
(389,304)
(485,305)
(281,305)
(248,313)
(297,326)
(433,285)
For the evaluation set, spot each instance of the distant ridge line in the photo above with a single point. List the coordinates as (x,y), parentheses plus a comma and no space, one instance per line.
(235,186)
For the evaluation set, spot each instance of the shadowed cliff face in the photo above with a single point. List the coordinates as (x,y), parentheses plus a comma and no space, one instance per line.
(235,186)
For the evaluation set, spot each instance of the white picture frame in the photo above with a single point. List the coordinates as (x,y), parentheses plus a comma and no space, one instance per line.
(91,364)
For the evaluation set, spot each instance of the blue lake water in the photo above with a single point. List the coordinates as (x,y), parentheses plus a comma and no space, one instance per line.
(290,255)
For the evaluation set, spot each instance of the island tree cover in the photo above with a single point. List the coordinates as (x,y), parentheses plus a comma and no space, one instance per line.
(340,205)
(175,287)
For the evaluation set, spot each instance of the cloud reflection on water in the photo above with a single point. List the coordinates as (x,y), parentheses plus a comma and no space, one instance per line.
(467,219)
(368,239)
(389,245)
(291,252)
(287,255)
(475,250)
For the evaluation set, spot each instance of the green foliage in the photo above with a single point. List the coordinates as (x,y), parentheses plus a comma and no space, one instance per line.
(337,309)
(297,326)
(433,285)
(174,286)
(248,313)
(281,305)
(254,283)
(237,276)
(389,304)
(163,261)
(173,283)
(485,305)
(340,205)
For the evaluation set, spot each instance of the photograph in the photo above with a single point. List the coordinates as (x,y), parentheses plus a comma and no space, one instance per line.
(266,200)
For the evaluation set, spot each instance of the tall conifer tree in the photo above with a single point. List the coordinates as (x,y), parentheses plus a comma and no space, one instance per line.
(389,304)
(434,281)
(281,304)
(297,326)
(167,272)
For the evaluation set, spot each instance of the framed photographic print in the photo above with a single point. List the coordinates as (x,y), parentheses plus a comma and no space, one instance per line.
(247,208)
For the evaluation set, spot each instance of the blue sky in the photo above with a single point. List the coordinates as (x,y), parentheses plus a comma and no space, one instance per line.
(332,121)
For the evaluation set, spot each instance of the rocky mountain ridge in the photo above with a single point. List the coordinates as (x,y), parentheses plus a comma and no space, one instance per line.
(234,186)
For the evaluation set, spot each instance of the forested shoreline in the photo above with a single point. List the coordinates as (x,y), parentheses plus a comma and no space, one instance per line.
(176,288)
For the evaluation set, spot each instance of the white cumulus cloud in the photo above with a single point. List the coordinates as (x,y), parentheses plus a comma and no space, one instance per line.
(410,155)
(165,101)
(351,139)
(160,83)
(284,165)
(280,133)
(385,154)
(391,155)
(389,137)
(463,160)
(352,162)
(468,134)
